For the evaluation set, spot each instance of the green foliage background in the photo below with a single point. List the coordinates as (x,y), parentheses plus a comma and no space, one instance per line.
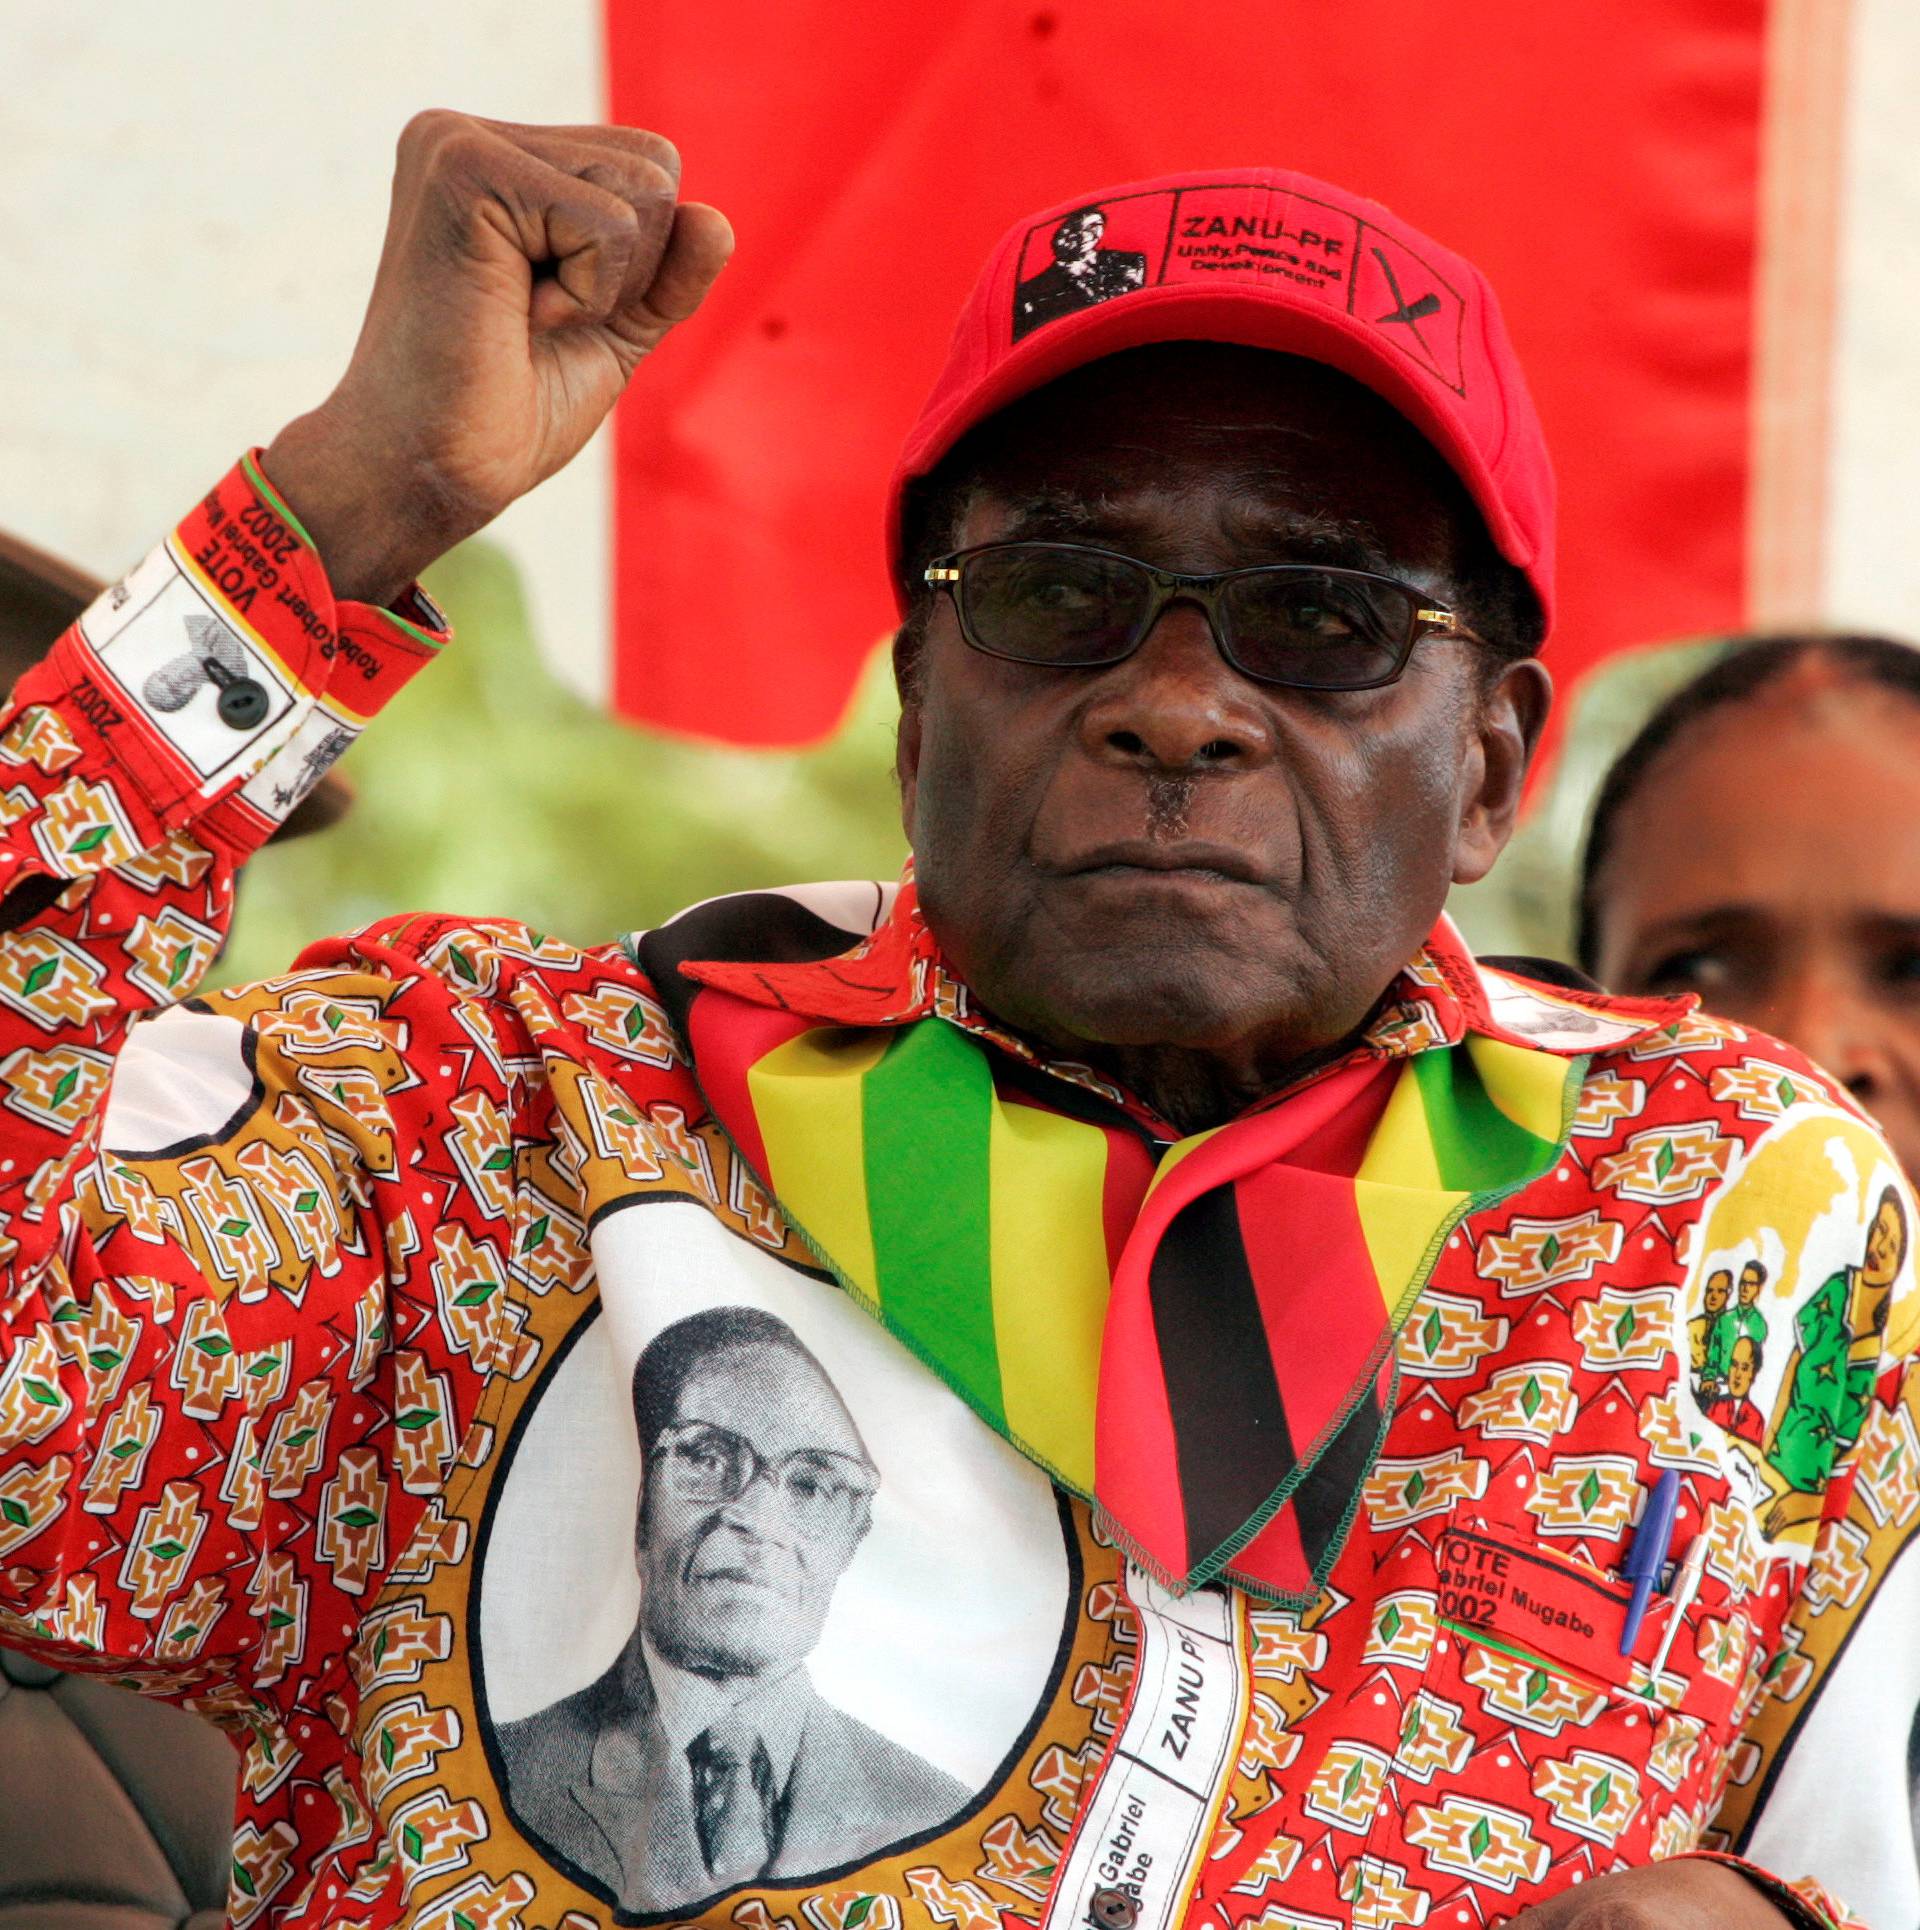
(488,788)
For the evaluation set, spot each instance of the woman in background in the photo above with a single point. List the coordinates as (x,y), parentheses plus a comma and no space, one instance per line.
(1759,843)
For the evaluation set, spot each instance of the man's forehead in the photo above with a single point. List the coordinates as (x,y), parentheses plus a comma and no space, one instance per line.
(1242,507)
(778,1397)
(1269,446)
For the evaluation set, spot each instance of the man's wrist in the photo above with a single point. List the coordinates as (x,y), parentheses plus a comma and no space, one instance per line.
(1795,1906)
(370,534)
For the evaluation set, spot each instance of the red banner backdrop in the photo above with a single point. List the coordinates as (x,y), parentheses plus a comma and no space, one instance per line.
(1601,164)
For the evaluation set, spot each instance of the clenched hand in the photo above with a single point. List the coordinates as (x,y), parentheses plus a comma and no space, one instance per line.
(526,273)
(1687,1893)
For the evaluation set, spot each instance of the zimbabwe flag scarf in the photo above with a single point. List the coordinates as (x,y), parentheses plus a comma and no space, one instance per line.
(1196,1338)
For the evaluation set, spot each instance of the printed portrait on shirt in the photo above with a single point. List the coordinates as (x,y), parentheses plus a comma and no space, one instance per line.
(1788,1306)
(760,1675)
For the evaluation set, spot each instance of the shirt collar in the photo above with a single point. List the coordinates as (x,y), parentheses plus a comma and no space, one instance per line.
(897,974)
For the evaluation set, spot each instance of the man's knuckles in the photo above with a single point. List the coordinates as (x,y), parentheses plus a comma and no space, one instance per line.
(634,145)
(438,142)
(623,143)
(554,192)
(656,147)
(1686,1893)
(646,189)
(439,138)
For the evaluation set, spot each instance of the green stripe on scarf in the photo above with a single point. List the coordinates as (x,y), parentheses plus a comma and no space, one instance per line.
(926,1117)
(1475,1145)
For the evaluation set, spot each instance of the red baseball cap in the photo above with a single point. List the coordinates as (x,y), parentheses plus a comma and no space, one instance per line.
(1268,259)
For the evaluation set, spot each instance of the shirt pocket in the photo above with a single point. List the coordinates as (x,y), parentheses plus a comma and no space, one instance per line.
(1532,1753)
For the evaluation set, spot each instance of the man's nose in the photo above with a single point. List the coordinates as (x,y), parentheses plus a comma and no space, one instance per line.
(1177,705)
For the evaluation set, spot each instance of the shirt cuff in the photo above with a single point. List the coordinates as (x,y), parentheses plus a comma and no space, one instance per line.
(1805,1903)
(213,684)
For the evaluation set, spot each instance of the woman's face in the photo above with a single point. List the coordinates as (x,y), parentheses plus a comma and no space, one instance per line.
(1770,861)
(1886,1244)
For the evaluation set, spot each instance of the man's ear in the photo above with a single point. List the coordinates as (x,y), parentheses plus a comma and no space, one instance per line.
(1512,715)
(907,670)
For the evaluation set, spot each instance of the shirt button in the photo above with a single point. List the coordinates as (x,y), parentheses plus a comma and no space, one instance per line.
(243,704)
(1113,1909)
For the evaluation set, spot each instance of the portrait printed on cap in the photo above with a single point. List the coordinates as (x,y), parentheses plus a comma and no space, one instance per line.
(768,1637)
(1222,234)
(1082,272)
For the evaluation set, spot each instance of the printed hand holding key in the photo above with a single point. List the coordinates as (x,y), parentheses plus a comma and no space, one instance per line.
(526,272)
(1687,1893)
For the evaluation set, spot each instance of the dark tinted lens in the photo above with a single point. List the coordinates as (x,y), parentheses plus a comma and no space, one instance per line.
(1045,603)
(1321,629)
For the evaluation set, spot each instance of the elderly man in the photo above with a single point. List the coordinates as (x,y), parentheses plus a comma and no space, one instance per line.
(1272,1320)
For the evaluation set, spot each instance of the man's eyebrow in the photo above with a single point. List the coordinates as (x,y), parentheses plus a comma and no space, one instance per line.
(1264,532)
(1309,536)
(1062,513)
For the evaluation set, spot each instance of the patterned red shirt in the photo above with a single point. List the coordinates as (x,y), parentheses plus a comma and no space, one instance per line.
(342,1313)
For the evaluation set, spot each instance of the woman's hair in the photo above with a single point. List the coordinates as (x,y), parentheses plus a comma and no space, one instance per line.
(1749,667)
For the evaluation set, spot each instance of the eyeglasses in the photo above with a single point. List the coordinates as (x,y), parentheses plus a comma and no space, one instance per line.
(1072,607)
(824,1491)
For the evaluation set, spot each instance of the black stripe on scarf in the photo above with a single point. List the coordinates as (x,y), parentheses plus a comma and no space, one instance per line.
(1230,1433)
(1324,1496)
(760,927)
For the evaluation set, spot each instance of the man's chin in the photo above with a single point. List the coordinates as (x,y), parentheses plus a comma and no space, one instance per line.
(1127,1001)
(714,1648)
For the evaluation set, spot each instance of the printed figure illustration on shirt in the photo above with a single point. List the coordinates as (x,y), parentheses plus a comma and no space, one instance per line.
(757,1490)
(1703,1337)
(1715,1334)
(1787,1330)
(1829,1380)
(1733,1408)
(1081,274)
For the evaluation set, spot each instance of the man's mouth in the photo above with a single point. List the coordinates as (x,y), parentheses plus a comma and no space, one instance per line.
(736,1573)
(1191,859)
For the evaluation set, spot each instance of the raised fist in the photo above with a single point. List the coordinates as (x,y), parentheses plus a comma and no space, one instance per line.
(526,272)
(1684,1893)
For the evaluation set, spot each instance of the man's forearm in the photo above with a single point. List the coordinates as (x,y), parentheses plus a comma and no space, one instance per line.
(162,741)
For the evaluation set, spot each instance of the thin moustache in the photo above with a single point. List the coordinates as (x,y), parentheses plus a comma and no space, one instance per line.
(1142,854)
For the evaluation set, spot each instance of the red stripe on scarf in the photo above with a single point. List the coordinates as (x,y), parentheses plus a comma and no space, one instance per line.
(1136,1465)
(1319,1297)
(1276,1558)
(729,1036)
(1129,1173)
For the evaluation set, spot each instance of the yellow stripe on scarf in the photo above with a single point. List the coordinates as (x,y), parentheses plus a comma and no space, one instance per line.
(1529,1086)
(1050,1281)
(806,1098)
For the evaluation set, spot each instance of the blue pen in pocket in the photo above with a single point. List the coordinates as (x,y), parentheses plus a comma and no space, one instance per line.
(1648,1555)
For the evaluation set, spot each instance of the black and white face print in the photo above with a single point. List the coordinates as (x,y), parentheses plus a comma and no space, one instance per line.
(760,1599)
